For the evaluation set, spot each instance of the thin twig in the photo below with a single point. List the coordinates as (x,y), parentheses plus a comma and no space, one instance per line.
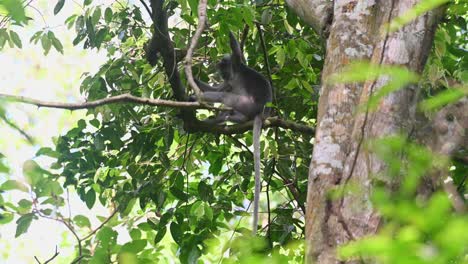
(54,256)
(69,227)
(193,44)
(293,189)
(15,127)
(78,259)
(100,226)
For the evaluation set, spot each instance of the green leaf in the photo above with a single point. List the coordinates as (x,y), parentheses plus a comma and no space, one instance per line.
(46,211)
(35,38)
(16,39)
(248,15)
(95,123)
(46,44)
(160,235)
(32,172)
(205,191)
(13,185)
(129,206)
(58,6)
(100,36)
(25,203)
(23,223)
(176,233)
(197,210)
(90,198)
(443,98)
(4,37)
(96,15)
(288,27)
(108,15)
(193,5)
(6,218)
(216,166)
(79,24)
(280,57)
(87,2)
(46,151)
(179,194)
(412,13)
(135,234)
(107,237)
(70,21)
(15,9)
(208,211)
(134,246)
(82,221)
(57,45)
(24,206)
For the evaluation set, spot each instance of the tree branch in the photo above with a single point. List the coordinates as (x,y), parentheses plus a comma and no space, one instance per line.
(193,44)
(123,98)
(163,45)
(241,128)
(190,126)
(50,259)
(145,5)
(15,127)
(100,226)
(317,13)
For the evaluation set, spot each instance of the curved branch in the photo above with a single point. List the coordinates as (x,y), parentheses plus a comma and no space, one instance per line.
(123,98)
(193,44)
(145,5)
(317,13)
(241,128)
(190,126)
(161,43)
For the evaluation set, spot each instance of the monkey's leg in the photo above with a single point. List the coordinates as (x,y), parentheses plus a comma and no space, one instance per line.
(208,88)
(242,104)
(232,116)
(213,97)
(218,119)
(236,117)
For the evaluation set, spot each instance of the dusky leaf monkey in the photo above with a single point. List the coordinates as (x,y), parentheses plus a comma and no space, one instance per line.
(246,92)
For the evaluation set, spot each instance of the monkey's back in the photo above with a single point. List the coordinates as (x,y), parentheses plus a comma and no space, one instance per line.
(256,85)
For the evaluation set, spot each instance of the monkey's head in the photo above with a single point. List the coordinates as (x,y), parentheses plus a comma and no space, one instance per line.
(225,67)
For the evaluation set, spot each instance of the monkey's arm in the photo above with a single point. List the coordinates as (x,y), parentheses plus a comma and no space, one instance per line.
(208,88)
(237,56)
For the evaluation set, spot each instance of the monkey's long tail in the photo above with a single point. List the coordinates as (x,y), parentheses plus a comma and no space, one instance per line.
(257,129)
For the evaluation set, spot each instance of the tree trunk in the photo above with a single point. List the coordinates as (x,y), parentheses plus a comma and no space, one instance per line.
(357,31)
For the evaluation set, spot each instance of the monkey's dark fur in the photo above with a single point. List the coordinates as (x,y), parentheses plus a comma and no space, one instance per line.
(246,91)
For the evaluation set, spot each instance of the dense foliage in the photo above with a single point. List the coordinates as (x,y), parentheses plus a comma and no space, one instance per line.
(188,194)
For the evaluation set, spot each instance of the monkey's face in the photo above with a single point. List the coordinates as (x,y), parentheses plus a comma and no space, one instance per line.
(225,67)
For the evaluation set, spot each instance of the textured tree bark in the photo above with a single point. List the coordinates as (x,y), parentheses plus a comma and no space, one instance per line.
(358,32)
